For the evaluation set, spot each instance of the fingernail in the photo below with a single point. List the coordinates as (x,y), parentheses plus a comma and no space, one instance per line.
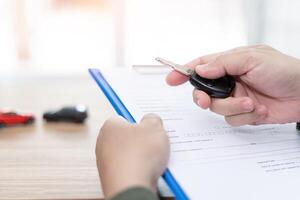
(199,103)
(247,105)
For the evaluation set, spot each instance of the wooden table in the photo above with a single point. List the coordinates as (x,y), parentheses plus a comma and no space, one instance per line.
(50,161)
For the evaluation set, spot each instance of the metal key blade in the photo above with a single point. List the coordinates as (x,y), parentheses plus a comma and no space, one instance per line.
(180,68)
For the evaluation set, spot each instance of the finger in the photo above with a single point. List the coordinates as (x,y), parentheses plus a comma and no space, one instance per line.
(251,118)
(175,78)
(237,63)
(152,120)
(232,105)
(113,123)
(211,57)
(201,99)
(203,59)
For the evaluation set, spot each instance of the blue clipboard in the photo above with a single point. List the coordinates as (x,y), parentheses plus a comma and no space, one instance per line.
(121,109)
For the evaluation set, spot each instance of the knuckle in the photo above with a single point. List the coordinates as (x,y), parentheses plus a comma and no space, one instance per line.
(229,120)
(237,105)
(219,60)
(232,105)
(200,59)
(108,124)
(217,106)
(153,119)
(237,49)
(252,58)
(263,46)
(252,52)
(152,116)
(232,109)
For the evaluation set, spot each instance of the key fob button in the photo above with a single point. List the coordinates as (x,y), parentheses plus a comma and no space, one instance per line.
(211,83)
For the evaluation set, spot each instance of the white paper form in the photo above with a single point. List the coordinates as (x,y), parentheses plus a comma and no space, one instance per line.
(210,159)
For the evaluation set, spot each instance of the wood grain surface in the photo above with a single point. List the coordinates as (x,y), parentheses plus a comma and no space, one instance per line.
(50,161)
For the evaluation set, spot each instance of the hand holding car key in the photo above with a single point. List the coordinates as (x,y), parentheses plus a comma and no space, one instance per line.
(216,88)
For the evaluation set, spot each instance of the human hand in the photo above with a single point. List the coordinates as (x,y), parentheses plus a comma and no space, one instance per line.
(131,155)
(267,85)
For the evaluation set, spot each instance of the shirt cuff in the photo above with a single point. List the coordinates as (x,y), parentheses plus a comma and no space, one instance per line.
(136,193)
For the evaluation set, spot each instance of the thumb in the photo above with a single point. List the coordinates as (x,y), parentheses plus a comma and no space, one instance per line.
(234,64)
(152,120)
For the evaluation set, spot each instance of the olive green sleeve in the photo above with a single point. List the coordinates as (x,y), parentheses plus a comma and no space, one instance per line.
(136,193)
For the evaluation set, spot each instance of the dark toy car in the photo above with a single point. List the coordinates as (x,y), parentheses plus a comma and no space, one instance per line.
(76,114)
(9,118)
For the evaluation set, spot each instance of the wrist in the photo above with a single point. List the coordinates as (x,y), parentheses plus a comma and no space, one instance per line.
(118,182)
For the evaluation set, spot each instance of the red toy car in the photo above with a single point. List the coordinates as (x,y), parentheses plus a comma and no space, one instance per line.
(12,118)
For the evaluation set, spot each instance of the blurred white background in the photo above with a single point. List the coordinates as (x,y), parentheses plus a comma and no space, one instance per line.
(69,36)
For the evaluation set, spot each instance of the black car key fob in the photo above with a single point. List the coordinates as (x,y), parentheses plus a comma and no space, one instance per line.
(216,88)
